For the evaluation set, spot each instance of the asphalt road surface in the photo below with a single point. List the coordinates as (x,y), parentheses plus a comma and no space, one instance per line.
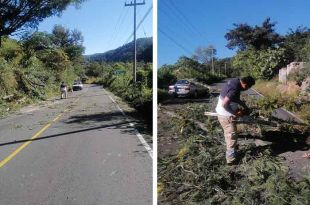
(80,150)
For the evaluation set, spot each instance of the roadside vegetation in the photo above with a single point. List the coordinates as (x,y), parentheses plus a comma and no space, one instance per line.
(117,77)
(32,67)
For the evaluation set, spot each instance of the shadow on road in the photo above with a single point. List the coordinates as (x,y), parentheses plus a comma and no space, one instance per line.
(100,117)
(116,125)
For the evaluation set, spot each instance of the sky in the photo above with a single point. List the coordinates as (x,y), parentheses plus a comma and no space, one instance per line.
(185,25)
(104,24)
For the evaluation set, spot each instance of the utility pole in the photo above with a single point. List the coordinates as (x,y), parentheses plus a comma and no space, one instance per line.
(212,62)
(225,69)
(134,4)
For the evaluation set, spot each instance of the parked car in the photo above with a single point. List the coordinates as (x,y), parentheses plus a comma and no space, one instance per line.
(186,88)
(77,85)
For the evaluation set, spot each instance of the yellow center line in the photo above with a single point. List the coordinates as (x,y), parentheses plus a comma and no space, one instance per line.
(20,148)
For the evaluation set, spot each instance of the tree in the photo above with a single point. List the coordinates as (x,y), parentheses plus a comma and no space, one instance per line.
(23,14)
(70,41)
(204,54)
(37,41)
(295,42)
(260,64)
(244,36)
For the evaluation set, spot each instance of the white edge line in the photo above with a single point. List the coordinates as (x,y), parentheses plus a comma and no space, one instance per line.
(140,137)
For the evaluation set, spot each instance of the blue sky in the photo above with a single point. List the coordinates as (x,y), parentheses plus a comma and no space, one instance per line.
(105,24)
(185,25)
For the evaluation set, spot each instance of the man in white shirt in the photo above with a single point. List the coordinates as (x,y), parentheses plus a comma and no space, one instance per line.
(227,110)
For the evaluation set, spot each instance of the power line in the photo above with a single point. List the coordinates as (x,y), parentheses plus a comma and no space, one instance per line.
(118,30)
(173,15)
(144,32)
(188,33)
(139,24)
(175,42)
(186,19)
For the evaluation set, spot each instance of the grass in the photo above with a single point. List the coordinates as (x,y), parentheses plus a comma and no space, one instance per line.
(286,96)
(274,88)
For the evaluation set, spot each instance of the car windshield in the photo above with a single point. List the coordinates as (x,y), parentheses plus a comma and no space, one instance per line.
(182,82)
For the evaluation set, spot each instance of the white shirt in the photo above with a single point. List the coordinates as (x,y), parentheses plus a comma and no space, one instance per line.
(220,110)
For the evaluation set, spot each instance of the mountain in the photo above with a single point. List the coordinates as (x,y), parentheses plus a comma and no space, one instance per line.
(125,52)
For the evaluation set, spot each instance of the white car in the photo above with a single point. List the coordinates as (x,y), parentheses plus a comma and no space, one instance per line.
(185,88)
(77,85)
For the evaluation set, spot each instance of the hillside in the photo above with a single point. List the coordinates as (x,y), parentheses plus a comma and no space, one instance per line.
(125,52)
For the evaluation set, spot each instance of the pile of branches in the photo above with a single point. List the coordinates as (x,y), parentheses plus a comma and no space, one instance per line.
(198,174)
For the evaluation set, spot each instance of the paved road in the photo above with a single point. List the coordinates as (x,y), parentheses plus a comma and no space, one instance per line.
(87,153)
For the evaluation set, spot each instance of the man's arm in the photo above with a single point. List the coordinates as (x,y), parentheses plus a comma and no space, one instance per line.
(226,105)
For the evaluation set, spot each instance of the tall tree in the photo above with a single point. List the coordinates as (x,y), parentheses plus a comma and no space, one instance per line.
(244,36)
(295,42)
(204,54)
(18,15)
(70,41)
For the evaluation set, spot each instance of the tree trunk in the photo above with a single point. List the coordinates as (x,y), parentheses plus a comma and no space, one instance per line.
(0,41)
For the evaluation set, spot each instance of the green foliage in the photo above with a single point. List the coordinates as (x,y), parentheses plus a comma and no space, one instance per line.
(57,61)
(37,41)
(138,95)
(197,172)
(18,15)
(260,64)
(297,44)
(165,77)
(306,51)
(244,36)
(8,83)
(11,50)
(33,68)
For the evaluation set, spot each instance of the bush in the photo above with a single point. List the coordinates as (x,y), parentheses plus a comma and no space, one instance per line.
(262,64)
(165,77)
(138,95)
(8,83)
(162,95)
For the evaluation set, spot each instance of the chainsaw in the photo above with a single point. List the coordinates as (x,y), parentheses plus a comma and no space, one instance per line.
(246,119)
